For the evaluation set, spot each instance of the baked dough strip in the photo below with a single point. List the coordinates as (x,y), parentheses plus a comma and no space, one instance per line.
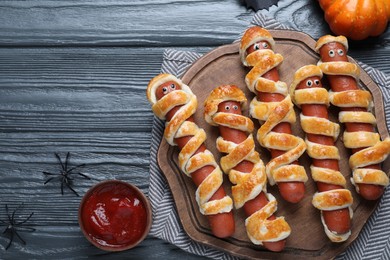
(179,127)
(270,114)
(315,94)
(373,150)
(247,185)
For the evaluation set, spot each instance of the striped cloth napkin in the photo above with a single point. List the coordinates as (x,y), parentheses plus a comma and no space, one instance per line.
(372,243)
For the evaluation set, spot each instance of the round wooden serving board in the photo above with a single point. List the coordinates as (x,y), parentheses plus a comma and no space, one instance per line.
(307,239)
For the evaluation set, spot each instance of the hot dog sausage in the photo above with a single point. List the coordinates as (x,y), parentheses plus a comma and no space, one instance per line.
(342,83)
(263,79)
(307,92)
(221,223)
(260,200)
(290,191)
(343,79)
(242,163)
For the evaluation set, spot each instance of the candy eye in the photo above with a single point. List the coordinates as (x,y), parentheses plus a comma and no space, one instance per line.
(235,107)
(173,86)
(340,52)
(227,107)
(256,46)
(331,53)
(317,82)
(309,83)
(265,45)
(165,90)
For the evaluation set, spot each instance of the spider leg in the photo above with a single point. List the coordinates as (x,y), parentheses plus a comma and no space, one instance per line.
(13,213)
(85,176)
(67,160)
(69,180)
(8,215)
(5,230)
(10,240)
(49,180)
(49,173)
(75,167)
(21,239)
(70,187)
(24,221)
(59,159)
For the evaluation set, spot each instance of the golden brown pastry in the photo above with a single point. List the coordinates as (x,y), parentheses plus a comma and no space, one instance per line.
(180,126)
(272,106)
(332,198)
(243,164)
(355,112)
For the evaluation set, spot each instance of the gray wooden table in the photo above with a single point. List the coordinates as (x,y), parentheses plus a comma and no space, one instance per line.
(73,76)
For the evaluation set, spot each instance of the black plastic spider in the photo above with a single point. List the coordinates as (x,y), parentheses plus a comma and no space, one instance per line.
(12,226)
(65,174)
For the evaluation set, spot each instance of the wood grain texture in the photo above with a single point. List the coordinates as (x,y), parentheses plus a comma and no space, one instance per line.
(73,76)
(130,23)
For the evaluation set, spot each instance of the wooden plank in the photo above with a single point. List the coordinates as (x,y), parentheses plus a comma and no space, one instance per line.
(147,23)
(67,242)
(161,24)
(130,23)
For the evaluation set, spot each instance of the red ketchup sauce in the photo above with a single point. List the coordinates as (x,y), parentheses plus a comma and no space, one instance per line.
(113,215)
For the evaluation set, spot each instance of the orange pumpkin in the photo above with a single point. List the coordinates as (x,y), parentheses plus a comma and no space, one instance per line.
(356,19)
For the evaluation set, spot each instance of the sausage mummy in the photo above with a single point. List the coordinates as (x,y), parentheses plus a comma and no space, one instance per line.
(244,167)
(174,102)
(332,198)
(368,151)
(272,105)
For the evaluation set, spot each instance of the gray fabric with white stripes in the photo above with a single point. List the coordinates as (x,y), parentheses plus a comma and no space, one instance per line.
(373,241)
